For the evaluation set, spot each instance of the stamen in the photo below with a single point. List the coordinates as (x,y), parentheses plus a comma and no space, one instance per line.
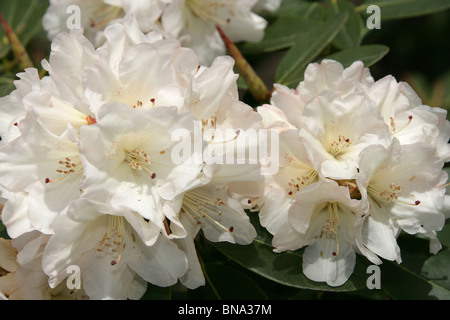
(332,223)
(295,184)
(339,146)
(203,207)
(67,167)
(90,120)
(138,160)
(205,10)
(237,132)
(378,195)
(407,124)
(112,241)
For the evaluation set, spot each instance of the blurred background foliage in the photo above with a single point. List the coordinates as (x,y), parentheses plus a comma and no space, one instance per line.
(413,45)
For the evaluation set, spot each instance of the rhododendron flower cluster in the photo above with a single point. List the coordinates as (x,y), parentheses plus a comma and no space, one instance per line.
(87,163)
(360,161)
(193,22)
(134,143)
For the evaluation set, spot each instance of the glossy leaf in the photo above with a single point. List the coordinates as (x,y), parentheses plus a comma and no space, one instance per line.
(230,284)
(284,268)
(421,275)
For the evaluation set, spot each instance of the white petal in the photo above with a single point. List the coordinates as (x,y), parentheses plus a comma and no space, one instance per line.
(319,264)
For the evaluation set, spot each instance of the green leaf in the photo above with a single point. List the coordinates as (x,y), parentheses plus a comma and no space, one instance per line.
(284,268)
(298,7)
(6,86)
(24,16)
(421,275)
(396,9)
(157,293)
(280,34)
(444,234)
(230,284)
(3,232)
(306,48)
(352,32)
(368,54)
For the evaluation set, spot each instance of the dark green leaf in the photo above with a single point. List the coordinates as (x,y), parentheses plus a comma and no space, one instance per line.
(228,283)
(3,232)
(306,48)
(444,234)
(396,9)
(351,33)
(284,268)
(6,86)
(280,34)
(421,275)
(157,293)
(298,7)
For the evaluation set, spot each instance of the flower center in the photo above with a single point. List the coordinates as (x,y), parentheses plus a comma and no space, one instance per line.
(295,184)
(138,160)
(331,227)
(338,146)
(381,194)
(306,174)
(202,207)
(67,167)
(352,188)
(205,10)
(113,242)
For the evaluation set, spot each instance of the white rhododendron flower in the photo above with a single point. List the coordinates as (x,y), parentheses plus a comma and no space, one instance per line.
(25,279)
(109,248)
(192,22)
(130,152)
(8,266)
(324,218)
(373,141)
(95,15)
(403,187)
(266,6)
(91,162)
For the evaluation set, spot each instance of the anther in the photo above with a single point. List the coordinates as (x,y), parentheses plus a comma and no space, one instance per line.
(90,120)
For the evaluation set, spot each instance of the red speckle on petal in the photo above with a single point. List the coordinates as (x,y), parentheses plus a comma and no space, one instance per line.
(334,253)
